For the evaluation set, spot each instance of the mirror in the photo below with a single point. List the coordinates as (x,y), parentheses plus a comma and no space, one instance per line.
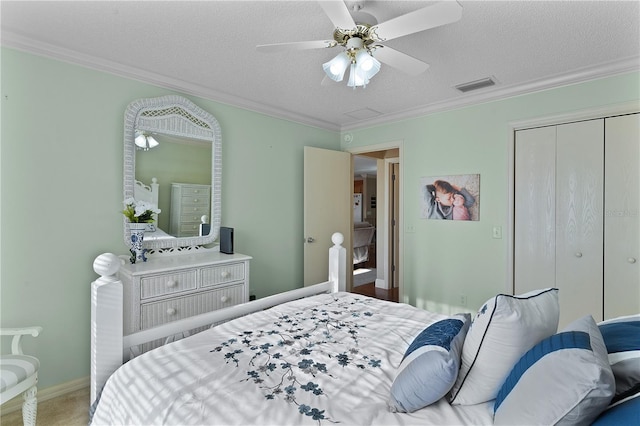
(186,164)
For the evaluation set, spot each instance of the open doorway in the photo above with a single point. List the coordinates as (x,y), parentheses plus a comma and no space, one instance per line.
(376,223)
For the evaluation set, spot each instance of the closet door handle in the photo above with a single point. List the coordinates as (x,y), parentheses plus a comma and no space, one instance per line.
(631,260)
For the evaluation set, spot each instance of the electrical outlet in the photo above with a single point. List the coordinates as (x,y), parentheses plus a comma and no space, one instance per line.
(410,228)
(463,300)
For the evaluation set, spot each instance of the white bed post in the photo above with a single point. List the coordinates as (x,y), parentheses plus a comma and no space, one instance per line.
(106,322)
(338,263)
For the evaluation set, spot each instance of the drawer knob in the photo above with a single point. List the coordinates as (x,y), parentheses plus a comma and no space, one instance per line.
(171,311)
(225,274)
(171,283)
(224,299)
(578,254)
(195,200)
(631,260)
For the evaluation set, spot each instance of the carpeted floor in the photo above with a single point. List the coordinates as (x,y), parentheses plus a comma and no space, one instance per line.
(364,276)
(71,409)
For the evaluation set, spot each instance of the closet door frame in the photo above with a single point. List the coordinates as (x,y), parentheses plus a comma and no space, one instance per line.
(549,120)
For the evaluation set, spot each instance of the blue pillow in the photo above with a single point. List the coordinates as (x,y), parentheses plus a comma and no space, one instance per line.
(625,413)
(622,338)
(430,365)
(566,378)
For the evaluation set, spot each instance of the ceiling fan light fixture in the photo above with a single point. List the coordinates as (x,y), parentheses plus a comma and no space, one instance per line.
(367,62)
(357,77)
(363,67)
(336,67)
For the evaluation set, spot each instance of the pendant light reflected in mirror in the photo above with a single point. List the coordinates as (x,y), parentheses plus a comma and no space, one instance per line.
(145,141)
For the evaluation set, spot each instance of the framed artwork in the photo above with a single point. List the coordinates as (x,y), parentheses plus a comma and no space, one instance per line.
(455,197)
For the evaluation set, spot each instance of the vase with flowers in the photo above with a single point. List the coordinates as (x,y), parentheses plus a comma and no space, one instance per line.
(139,214)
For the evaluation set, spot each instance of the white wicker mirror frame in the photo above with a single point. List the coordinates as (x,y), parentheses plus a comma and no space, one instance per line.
(175,116)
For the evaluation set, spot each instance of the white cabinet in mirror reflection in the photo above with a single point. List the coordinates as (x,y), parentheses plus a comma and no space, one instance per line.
(189,202)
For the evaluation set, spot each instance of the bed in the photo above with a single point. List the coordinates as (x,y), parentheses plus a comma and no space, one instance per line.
(319,355)
(363,234)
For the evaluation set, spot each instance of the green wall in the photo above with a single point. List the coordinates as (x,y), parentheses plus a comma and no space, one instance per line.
(61,196)
(62,128)
(444,260)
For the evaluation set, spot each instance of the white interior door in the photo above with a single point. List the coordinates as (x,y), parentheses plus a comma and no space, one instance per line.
(559,173)
(579,219)
(535,212)
(328,204)
(622,216)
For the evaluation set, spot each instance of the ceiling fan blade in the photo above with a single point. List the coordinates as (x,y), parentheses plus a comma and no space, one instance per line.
(326,81)
(338,14)
(400,60)
(428,17)
(297,45)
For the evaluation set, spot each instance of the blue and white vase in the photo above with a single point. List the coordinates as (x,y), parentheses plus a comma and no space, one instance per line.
(138,252)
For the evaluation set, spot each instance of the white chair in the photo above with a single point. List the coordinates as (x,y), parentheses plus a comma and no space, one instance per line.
(19,373)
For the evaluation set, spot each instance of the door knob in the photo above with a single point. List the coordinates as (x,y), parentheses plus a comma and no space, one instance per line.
(311,239)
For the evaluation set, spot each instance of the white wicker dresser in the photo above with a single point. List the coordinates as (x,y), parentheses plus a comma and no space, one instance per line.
(168,288)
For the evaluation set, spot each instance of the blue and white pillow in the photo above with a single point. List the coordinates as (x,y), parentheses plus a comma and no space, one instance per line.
(503,330)
(622,338)
(564,379)
(430,365)
(626,412)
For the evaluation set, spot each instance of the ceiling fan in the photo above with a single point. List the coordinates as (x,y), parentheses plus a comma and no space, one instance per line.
(363,52)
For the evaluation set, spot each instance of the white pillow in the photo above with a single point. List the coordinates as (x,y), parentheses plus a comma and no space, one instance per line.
(430,365)
(503,330)
(564,380)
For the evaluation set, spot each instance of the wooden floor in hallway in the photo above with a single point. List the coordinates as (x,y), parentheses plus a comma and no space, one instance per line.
(379,293)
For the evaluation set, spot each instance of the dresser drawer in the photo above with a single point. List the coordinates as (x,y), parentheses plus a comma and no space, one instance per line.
(159,285)
(188,201)
(196,191)
(193,214)
(157,313)
(214,275)
(189,229)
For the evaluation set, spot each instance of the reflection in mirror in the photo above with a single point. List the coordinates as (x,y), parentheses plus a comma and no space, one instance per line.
(177,161)
(173,159)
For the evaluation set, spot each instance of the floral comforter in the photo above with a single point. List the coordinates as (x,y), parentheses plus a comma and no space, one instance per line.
(321,360)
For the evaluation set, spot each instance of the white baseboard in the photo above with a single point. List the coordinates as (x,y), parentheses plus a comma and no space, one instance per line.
(381,283)
(48,393)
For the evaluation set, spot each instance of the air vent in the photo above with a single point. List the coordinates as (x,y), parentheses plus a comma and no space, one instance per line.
(363,114)
(475,85)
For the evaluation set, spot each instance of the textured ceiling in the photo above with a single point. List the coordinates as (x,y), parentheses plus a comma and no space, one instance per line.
(207,48)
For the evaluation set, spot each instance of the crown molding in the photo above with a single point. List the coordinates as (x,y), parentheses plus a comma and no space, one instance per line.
(582,75)
(26,44)
(18,42)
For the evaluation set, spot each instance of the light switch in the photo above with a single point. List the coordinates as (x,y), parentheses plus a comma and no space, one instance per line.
(497,232)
